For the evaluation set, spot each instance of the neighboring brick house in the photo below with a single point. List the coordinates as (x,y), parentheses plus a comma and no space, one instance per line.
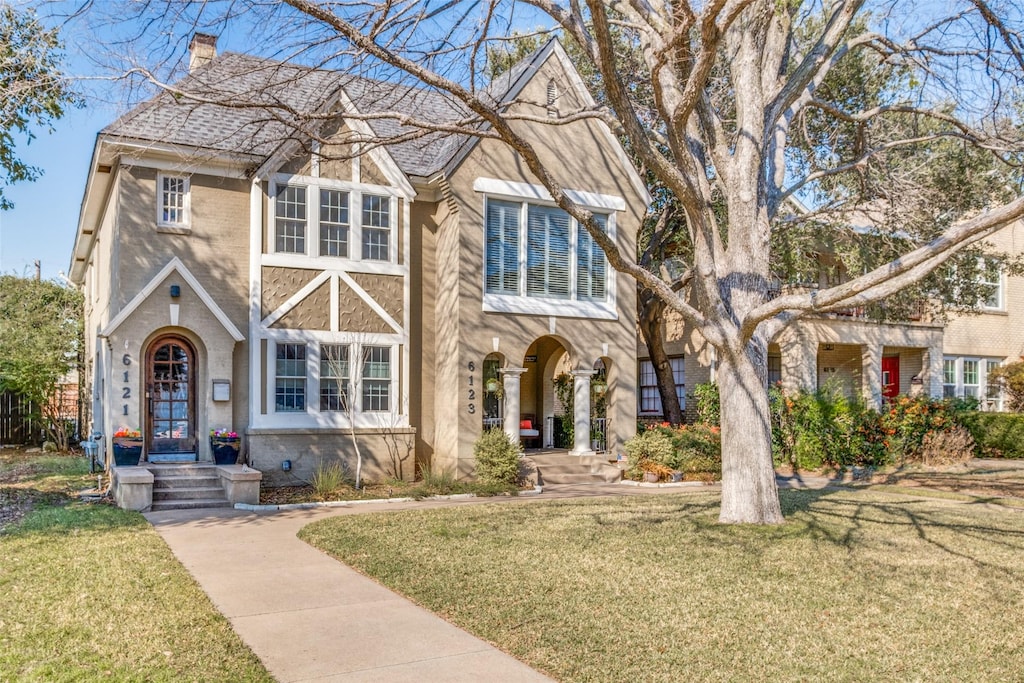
(873,360)
(238,275)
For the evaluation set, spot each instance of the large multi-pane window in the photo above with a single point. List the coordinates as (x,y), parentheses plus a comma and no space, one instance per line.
(334,223)
(173,206)
(970,378)
(329,218)
(650,398)
(346,378)
(376,228)
(561,260)
(335,375)
(290,220)
(290,378)
(376,378)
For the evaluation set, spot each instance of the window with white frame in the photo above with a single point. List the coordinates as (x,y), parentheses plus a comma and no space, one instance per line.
(949,375)
(290,219)
(346,220)
(991,275)
(334,223)
(376,378)
(561,260)
(650,397)
(965,377)
(335,377)
(173,204)
(290,378)
(340,378)
(993,390)
(376,227)
(970,377)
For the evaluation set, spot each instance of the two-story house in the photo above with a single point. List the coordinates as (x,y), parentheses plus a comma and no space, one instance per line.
(284,278)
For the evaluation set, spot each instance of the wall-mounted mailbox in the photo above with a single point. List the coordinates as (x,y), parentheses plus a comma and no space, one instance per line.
(221,390)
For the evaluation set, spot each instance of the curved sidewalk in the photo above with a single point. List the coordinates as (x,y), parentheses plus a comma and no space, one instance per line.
(309,617)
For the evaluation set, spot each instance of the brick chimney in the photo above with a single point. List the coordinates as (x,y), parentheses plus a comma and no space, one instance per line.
(201,50)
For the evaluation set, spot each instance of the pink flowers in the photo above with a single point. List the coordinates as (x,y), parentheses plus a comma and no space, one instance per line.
(223,434)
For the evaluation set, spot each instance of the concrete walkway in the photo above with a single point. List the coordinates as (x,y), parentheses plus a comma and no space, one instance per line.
(309,617)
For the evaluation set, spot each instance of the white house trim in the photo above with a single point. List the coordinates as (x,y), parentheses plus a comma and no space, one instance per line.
(174,264)
(520,191)
(292,301)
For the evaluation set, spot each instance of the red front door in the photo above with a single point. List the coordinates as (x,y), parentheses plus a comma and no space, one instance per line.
(890,376)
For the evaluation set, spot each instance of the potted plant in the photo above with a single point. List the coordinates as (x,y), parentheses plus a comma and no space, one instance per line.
(225,444)
(127,447)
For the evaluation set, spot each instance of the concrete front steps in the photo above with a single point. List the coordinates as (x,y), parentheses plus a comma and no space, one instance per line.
(183,487)
(562,468)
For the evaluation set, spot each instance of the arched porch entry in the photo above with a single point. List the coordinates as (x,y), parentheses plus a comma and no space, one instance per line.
(531,402)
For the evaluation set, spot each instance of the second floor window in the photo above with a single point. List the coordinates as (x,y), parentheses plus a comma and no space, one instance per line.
(560,260)
(173,210)
(328,218)
(290,220)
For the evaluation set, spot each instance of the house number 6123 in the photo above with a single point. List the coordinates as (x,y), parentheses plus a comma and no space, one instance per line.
(471,392)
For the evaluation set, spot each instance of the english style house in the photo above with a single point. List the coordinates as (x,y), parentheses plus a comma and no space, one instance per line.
(304,291)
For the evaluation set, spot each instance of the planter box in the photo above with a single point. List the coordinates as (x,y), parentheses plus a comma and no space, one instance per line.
(225,449)
(127,451)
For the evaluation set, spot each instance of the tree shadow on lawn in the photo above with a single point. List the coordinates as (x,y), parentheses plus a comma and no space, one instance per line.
(959,529)
(848,519)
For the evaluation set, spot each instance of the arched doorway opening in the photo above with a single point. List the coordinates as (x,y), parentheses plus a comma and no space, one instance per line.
(599,396)
(547,358)
(171,397)
(494,394)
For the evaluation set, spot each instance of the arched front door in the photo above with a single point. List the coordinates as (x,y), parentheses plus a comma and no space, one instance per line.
(171,387)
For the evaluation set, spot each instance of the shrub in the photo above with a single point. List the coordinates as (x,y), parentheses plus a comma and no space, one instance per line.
(698,449)
(948,447)
(650,445)
(497,458)
(998,435)
(906,421)
(709,404)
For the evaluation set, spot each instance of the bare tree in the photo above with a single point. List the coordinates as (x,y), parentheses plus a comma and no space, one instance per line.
(735,121)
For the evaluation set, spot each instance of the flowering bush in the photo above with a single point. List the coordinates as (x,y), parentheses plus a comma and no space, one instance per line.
(223,434)
(824,428)
(125,433)
(695,450)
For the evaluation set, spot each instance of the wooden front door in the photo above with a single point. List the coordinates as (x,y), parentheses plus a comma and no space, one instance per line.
(171,388)
(890,376)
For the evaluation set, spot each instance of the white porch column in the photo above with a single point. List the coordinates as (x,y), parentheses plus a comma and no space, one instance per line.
(510,381)
(581,412)
(871,375)
(932,371)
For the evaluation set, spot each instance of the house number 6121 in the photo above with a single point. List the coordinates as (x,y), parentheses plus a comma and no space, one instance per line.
(126,391)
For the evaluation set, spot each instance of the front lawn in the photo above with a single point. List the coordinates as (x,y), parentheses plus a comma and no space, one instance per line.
(857,585)
(91,592)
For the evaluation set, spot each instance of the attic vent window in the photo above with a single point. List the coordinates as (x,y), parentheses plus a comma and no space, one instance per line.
(552,97)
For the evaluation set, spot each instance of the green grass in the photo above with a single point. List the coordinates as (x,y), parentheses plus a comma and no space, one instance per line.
(91,592)
(857,585)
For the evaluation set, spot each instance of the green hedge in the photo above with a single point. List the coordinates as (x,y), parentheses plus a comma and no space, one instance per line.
(1000,435)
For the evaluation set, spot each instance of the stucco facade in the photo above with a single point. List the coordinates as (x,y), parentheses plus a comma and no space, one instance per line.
(312,296)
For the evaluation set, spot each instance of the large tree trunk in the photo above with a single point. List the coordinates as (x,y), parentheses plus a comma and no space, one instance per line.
(652,324)
(749,492)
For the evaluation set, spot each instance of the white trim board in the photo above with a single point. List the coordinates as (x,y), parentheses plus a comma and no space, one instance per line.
(204,296)
(508,188)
